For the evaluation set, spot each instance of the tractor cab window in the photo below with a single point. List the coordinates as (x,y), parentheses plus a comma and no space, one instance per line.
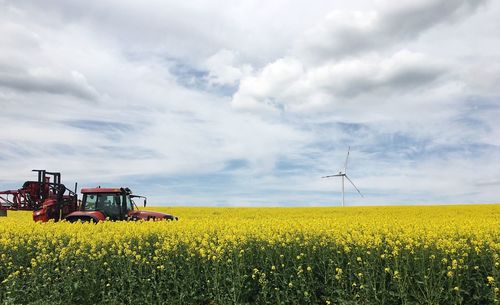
(89,202)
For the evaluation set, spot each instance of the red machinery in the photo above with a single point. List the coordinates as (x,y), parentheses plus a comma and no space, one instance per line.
(46,193)
(49,199)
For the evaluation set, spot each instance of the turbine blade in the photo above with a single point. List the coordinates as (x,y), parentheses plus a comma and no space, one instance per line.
(338,175)
(347,157)
(354,186)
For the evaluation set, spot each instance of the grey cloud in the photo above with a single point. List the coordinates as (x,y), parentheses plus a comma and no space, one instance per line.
(74,83)
(343,34)
(403,74)
(407,19)
(414,77)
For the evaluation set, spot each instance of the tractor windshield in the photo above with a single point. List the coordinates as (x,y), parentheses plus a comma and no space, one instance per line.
(108,203)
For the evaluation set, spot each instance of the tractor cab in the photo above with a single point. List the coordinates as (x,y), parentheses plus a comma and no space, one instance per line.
(113,203)
(100,204)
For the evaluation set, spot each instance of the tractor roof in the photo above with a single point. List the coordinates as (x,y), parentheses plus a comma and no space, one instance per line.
(102,190)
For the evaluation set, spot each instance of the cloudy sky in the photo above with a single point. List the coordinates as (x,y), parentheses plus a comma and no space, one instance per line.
(251,102)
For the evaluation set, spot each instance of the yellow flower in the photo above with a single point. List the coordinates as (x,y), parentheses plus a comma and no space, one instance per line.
(396,274)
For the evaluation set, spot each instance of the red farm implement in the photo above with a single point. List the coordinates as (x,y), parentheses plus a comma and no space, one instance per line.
(47,194)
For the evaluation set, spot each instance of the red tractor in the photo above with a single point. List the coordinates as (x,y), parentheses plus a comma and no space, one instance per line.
(100,204)
(51,200)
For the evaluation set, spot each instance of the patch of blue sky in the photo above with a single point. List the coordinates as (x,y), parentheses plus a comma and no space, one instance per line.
(291,166)
(186,73)
(351,127)
(474,103)
(10,185)
(192,78)
(128,152)
(96,125)
(61,149)
(235,164)
(474,111)
(18,149)
(334,136)
(402,146)
(323,127)
(473,123)
(222,90)
(467,150)
(397,145)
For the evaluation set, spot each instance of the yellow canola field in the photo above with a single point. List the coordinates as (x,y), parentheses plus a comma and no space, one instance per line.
(368,255)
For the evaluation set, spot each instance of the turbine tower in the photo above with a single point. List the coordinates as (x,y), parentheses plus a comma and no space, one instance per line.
(343,174)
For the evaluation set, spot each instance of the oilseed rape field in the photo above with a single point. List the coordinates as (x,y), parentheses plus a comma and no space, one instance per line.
(358,255)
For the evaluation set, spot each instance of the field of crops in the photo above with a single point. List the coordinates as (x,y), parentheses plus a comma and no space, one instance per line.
(377,255)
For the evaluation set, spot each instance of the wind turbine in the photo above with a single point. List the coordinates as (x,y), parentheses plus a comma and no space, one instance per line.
(343,174)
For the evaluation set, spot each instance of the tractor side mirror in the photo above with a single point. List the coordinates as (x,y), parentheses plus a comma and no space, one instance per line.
(144,202)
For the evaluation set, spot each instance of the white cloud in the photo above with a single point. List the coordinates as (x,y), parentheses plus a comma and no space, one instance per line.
(288,84)
(225,69)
